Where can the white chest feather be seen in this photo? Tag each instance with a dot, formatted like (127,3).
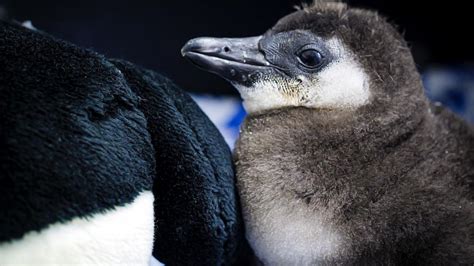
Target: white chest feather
(123,236)
(286,236)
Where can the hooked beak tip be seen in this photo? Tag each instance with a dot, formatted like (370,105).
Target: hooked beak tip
(187,48)
(234,59)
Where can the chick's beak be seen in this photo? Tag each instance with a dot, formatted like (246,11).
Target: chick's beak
(237,60)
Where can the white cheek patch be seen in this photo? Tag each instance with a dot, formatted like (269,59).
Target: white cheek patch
(343,84)
(122,236)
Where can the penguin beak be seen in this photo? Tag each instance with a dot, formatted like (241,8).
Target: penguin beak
(237,60)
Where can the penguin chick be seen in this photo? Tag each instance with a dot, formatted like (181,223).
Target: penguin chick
(342,159)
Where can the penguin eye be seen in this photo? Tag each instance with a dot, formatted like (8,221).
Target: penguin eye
(310,58)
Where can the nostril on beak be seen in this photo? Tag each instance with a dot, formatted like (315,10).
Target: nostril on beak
(226,49)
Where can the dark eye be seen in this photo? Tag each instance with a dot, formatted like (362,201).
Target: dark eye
(310,58)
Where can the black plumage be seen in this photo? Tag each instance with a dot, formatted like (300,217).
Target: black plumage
(81,134)
(195,198)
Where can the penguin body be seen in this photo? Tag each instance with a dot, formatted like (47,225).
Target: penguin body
(403,195)
(342,159)
(105,163)
(77,163)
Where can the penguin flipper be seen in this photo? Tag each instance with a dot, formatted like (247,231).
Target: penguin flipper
(196,205)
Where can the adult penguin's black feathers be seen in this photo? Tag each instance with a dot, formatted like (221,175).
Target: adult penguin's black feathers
(73,141)
(199,171)
(81,135)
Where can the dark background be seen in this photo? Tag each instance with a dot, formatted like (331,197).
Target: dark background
(151,33)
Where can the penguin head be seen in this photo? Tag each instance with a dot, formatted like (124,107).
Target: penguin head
(325,56)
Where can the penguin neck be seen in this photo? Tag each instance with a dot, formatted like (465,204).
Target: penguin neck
(306,143)
(334,129)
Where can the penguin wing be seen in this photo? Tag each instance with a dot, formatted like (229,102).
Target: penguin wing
(196,206)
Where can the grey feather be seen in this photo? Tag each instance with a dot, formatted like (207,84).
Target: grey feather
(394,178)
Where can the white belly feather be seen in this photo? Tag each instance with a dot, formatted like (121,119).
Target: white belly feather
(282,235)
(123,236)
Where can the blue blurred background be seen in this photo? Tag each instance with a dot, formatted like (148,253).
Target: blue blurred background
(151,32)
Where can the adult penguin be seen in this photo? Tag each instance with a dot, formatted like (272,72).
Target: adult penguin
(103,162)
(342,159)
